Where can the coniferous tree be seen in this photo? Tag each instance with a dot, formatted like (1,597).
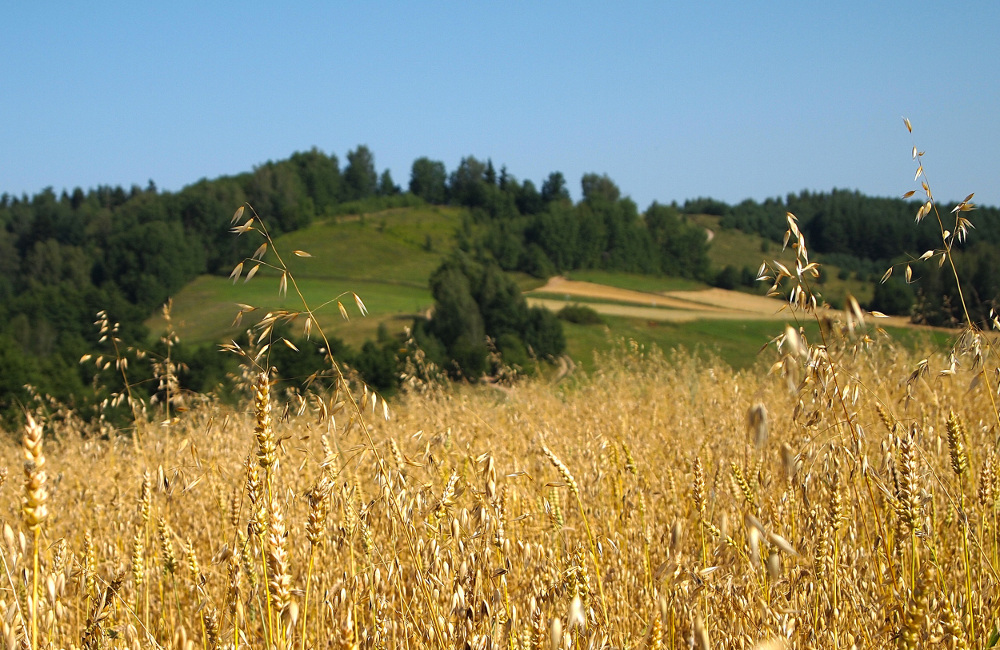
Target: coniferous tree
(386,186)
(554,188)
(359,175)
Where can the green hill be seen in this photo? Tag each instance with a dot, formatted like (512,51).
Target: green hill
(386,258)
(746,250)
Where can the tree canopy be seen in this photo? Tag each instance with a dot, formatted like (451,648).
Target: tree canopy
(475,299)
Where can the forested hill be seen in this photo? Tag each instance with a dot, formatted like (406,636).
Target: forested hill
(865,235)
(65,256)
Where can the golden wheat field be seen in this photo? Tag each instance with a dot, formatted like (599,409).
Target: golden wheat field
(846,499)
(842,494)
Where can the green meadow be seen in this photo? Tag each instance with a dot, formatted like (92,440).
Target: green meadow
(385,258)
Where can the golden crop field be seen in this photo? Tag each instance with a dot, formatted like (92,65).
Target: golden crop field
(658,503)
(842,494)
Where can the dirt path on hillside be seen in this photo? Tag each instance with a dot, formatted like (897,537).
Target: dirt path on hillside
(574,288)
(658,313)
(675,306)
(709,301)
(730,300)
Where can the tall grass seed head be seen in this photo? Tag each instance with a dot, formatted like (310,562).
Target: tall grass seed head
(34,508)
(957,444)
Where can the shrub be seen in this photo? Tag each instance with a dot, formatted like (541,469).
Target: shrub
(580,314)
(727,278)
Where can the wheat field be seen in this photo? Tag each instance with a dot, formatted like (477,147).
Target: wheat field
(663,502)
(841,494)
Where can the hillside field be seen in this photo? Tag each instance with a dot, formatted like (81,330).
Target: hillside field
(740,249)
(387,258)
(384,258)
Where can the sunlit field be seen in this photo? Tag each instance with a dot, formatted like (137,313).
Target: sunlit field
(656,502)
(840,492)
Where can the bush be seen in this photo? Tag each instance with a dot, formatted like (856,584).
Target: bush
(475,299)
(377,204)
(580,314)
(513,351)
(892,297)
(378,366)
(544,333)
(727,277)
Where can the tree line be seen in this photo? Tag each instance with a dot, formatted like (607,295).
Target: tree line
(65,256)
(542,232)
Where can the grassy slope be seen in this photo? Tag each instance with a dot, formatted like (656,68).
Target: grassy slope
(382,258)
(740,344)
(740,249)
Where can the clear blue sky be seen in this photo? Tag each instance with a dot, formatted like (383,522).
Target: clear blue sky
(672,100)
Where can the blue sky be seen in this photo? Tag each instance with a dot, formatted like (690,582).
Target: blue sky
(672,100)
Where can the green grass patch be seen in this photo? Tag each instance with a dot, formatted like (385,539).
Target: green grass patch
(204,310)
(737,343)
(734,342)
(739,249)
(835,290)
(922,339)
(386,258)
(402,245)
(526,282)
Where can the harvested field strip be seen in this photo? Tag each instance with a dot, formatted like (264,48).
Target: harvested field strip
(729,300)
(559,285)
(585,300)
(674,306)
(660,313)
